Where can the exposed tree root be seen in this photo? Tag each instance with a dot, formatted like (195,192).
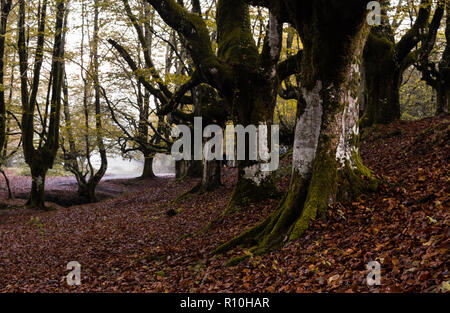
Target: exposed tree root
(305,201)
(196,189)
(246,192)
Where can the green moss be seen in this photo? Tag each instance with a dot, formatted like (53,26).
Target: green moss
(246,191)
(323,186)
(186,195)
(236,43)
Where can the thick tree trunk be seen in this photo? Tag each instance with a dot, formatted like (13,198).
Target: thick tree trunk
(382,79)
(147,171)
(180,168)
(443,99)
(87,192)
(254,183)
(326,165)
(37,194)
(211,176)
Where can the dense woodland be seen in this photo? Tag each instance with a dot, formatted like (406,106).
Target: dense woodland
(362,109)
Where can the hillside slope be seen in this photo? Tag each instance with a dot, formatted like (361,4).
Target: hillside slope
(130,244)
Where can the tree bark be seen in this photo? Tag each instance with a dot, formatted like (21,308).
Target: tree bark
(37,194)
(42,158)
(211,176)
(382,79)
(147,171)
(326,165)
(253,94)
(443,98)
(244,77)
(5,10)
(384,62)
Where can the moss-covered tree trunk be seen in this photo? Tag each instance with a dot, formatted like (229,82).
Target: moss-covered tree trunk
(382,79)
(384,62)
(37,193)
(255,183)
(5,10)
(443,98)
(254,91)
(242,74)
(42,158)
(326,165)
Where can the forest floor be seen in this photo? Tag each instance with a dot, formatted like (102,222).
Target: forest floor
(129,243)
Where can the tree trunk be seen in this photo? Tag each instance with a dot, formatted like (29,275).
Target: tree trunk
(382,79)
(37,194)
(443,99)
(87,191)
(326,165)
(211,176)
(254,93)
(8,186)
(5,9)
(147,172)
(181,169)
(42,158)
(254,184)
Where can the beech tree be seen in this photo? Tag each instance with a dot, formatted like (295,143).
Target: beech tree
(40,158)
(245,78)
(147,138)
(437,74)
(76,161)
(386,59)
(202,99)
(326,166)
(6,6)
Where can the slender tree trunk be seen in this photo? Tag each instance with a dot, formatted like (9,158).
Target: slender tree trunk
(181,168)
(5,9)
(42,158)
(96,177)
(8,186)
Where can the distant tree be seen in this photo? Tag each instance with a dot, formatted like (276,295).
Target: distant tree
(437,74)
(75,160)
(385,60)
